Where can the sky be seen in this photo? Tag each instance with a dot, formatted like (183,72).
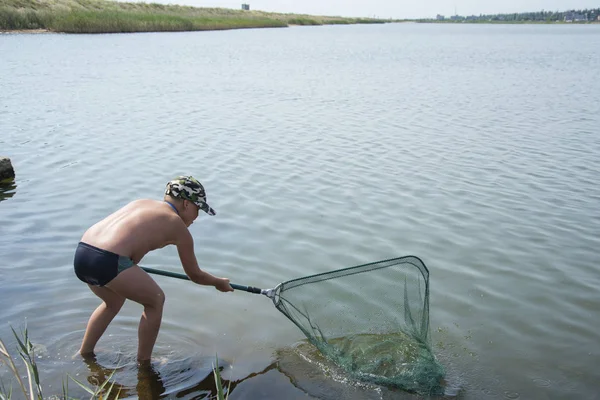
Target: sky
(393,8)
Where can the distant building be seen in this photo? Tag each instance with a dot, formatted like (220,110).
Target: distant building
(439,17)
(246,7)
(575,17)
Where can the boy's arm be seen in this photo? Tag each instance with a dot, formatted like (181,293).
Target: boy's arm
(185,248)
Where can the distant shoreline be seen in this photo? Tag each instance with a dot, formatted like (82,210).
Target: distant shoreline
(37,31)
(572,16)
(508,22)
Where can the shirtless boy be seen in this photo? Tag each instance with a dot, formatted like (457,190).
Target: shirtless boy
(108,253)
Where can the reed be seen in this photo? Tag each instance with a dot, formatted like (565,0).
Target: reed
(119,21)
(218,382)
(31,388)
(104,16)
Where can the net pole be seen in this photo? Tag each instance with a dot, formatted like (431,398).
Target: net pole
(249,289)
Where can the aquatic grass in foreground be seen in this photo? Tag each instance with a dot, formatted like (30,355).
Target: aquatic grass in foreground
(32,388)
(218,383)
(102,16)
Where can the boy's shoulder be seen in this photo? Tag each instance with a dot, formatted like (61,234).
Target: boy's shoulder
(151,209)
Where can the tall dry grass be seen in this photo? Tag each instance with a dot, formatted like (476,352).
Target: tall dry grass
(103,16)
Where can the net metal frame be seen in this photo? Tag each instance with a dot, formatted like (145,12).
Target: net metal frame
(282,304)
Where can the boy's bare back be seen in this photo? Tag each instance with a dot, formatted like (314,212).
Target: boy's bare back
(136,229)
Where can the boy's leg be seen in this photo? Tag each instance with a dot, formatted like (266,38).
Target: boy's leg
(135,284)
(100,318)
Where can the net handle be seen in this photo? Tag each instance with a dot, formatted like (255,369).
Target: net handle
(249,289)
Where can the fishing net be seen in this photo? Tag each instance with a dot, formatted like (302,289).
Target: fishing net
(371,320)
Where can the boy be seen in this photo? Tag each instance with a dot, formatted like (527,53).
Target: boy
(108,253)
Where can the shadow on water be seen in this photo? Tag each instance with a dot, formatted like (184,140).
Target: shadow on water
(8,188)
(296,372)
(161,380)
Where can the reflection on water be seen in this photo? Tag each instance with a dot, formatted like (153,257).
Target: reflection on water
(302,365)
(99,376)
(161,379)
(8,188)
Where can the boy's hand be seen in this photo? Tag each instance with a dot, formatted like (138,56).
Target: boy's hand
(222,285)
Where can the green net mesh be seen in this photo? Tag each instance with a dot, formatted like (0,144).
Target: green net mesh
(372,320)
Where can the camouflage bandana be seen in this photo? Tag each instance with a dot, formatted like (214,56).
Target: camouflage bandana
(188,188)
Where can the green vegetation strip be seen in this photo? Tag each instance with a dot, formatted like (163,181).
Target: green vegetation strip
(103,16)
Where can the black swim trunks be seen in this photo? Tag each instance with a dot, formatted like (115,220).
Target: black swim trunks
(98,267)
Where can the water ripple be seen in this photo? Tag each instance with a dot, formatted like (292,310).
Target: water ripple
(473,147)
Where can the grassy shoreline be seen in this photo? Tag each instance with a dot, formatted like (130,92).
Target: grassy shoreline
(105,16)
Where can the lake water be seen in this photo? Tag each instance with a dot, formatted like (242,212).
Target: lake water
(475,148)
